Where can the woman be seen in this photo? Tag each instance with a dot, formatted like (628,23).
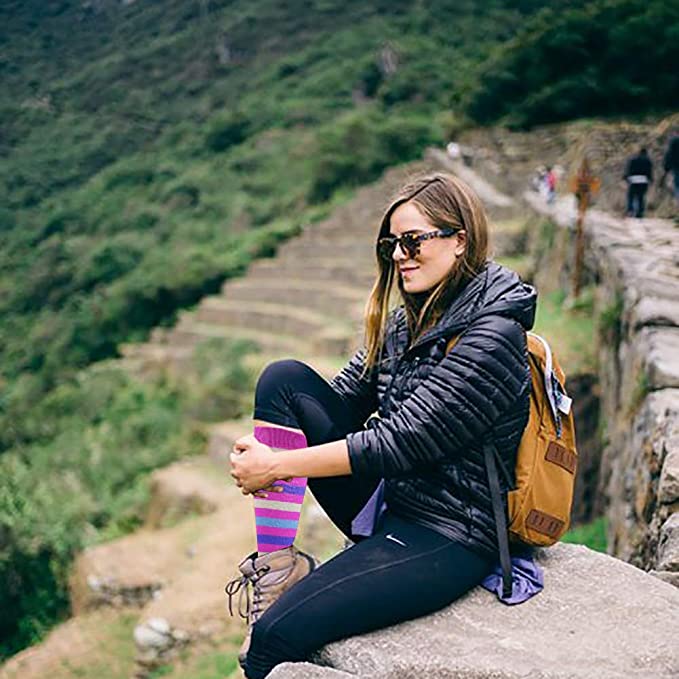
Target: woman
(435,406)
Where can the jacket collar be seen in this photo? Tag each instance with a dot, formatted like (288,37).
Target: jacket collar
(454,320)
(495,290)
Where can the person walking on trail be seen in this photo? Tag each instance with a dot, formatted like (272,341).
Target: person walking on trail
(671,165)
(638,175)
(550,181)
(392,447)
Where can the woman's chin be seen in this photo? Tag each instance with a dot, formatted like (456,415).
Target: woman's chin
(412,288)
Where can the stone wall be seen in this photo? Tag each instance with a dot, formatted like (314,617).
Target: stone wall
(635,264)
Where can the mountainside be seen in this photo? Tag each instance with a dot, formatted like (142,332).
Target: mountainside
(150,150)
(146,138)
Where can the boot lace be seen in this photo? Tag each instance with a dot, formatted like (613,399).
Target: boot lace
(249,606)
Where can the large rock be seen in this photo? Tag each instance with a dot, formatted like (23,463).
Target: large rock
(185,488)
(597,617)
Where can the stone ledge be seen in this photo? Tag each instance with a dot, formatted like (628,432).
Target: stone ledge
(597,617)
(185,488)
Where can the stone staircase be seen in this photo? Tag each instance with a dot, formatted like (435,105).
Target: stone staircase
(307,301)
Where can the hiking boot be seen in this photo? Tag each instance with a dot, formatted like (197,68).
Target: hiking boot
(270,575)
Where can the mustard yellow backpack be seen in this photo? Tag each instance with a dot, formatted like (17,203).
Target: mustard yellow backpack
(541,493)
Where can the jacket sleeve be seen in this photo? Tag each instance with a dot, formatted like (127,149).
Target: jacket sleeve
(357,390)
(453,408)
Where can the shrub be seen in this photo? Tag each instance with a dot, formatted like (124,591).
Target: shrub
(362,144)
(576,62)
(592,535)
(7,219)
(371,78)
(227,131)
(79,475)
(182,195)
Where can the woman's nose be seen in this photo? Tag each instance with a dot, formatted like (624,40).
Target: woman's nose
(399,254)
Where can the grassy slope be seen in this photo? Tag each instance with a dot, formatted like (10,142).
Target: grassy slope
(110,177)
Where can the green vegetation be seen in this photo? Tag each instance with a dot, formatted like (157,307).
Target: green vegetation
(384,142)
(579,59)
(138,172)
(592,535)
(83,477)
(210,665)
(570,331)
(149,151)
(610,321)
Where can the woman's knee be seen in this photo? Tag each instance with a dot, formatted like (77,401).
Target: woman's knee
(277,388)
(284,373)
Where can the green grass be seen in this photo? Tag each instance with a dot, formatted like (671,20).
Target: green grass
(198,663)
(570,330)
(592,535)
(213,665)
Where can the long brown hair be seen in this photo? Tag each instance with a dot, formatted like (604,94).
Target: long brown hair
(446,202)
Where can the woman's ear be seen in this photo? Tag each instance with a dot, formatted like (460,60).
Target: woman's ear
(461,245)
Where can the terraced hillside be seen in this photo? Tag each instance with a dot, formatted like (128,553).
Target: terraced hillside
(306,302)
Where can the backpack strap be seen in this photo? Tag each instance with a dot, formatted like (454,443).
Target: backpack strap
(489,453)
(500,519)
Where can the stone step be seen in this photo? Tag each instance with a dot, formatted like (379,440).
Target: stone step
(267,317)
(360,249)
(330,342)
(342,300)
(190,334)
(343,272)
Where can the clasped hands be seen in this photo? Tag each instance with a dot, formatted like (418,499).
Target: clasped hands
(253,467)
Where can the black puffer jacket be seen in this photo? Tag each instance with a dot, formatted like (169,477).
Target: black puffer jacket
(435,408)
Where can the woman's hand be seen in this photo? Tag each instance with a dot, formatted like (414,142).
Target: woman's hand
(253,467)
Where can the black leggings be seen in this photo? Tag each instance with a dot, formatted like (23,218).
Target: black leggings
(401,572)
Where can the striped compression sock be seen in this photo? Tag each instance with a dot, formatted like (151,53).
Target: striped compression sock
(277,515)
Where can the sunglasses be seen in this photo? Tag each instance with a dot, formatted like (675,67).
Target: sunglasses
(409,242)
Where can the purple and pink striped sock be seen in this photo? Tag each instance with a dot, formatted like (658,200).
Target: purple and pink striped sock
(277,515)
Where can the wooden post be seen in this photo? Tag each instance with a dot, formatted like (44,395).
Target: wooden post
(584,185)
(579,244)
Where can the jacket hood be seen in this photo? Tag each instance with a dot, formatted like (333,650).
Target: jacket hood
(499,291)
(495,291)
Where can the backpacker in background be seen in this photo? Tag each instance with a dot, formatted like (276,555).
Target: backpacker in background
(539,502)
